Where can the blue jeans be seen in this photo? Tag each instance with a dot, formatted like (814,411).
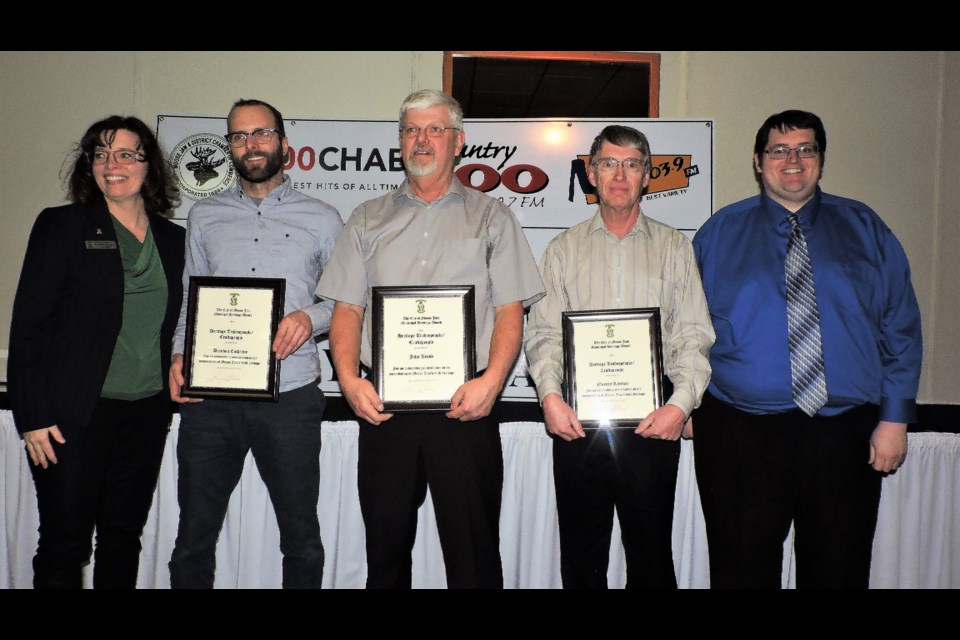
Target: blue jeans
(215,436)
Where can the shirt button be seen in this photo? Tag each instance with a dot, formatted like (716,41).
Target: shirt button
(256,239)
(253,269)
(425,234)
(259,213)
(423,263)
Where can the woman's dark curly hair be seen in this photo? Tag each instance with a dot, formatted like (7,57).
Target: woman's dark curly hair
(159,190)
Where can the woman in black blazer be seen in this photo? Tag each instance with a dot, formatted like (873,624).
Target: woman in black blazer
(93,319)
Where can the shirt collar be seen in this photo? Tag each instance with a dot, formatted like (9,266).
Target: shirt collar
(640,226)
(456,187)
(279,194)
(777,213)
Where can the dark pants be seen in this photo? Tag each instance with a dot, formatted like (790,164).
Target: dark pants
(215,436)
(463,464)
(759,473)
(105,476)
(616,468)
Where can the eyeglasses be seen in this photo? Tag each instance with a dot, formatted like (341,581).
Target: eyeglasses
(120,156)
(630,165)
(239,138)
(433,131)
(782,152)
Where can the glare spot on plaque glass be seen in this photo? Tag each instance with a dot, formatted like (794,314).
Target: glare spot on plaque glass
(607,429)
(606,426)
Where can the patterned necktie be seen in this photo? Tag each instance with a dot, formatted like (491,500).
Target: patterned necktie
(803,326)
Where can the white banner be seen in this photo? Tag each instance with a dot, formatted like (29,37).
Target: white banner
(537,167)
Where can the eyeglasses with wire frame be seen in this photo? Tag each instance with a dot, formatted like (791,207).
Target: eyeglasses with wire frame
(782,151)
(260,136)
(433,131)
(630,165)
(120,156)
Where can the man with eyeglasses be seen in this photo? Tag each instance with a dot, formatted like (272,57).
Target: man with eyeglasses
(815,370)
(432,230)
(619,259)
(260,228)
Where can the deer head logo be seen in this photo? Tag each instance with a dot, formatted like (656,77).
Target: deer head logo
(204,169)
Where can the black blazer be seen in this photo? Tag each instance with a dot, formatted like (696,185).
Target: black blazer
(68,310)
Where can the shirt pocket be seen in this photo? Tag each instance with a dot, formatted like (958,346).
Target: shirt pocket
(465,261)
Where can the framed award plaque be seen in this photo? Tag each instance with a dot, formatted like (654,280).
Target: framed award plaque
(613,365)
(424,345)
(231,325)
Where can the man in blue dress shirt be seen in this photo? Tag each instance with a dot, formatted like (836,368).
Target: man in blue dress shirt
(260,228)
(815,370)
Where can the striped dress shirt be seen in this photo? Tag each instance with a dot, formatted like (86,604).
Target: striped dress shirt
(588,268)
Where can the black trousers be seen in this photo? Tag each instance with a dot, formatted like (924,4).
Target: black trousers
(759,473)
(616,468)
(462,462)
(105,476)
(215,436)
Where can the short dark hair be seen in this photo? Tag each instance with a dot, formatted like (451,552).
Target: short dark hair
(159,191)
(622,136)
(253,102)
(788,121)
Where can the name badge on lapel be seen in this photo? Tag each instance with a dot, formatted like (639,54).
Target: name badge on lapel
(101,244)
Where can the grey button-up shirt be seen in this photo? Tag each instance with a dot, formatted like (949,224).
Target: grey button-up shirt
(462,238)
(288,235)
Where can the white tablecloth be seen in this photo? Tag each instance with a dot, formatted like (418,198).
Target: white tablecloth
(917,542)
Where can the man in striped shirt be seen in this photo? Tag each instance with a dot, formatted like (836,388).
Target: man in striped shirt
(619,259)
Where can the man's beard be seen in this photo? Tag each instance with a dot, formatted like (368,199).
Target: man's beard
(419,170)
(264,172)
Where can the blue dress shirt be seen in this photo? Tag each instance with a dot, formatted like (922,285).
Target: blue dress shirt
(287,235)
(869,317)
